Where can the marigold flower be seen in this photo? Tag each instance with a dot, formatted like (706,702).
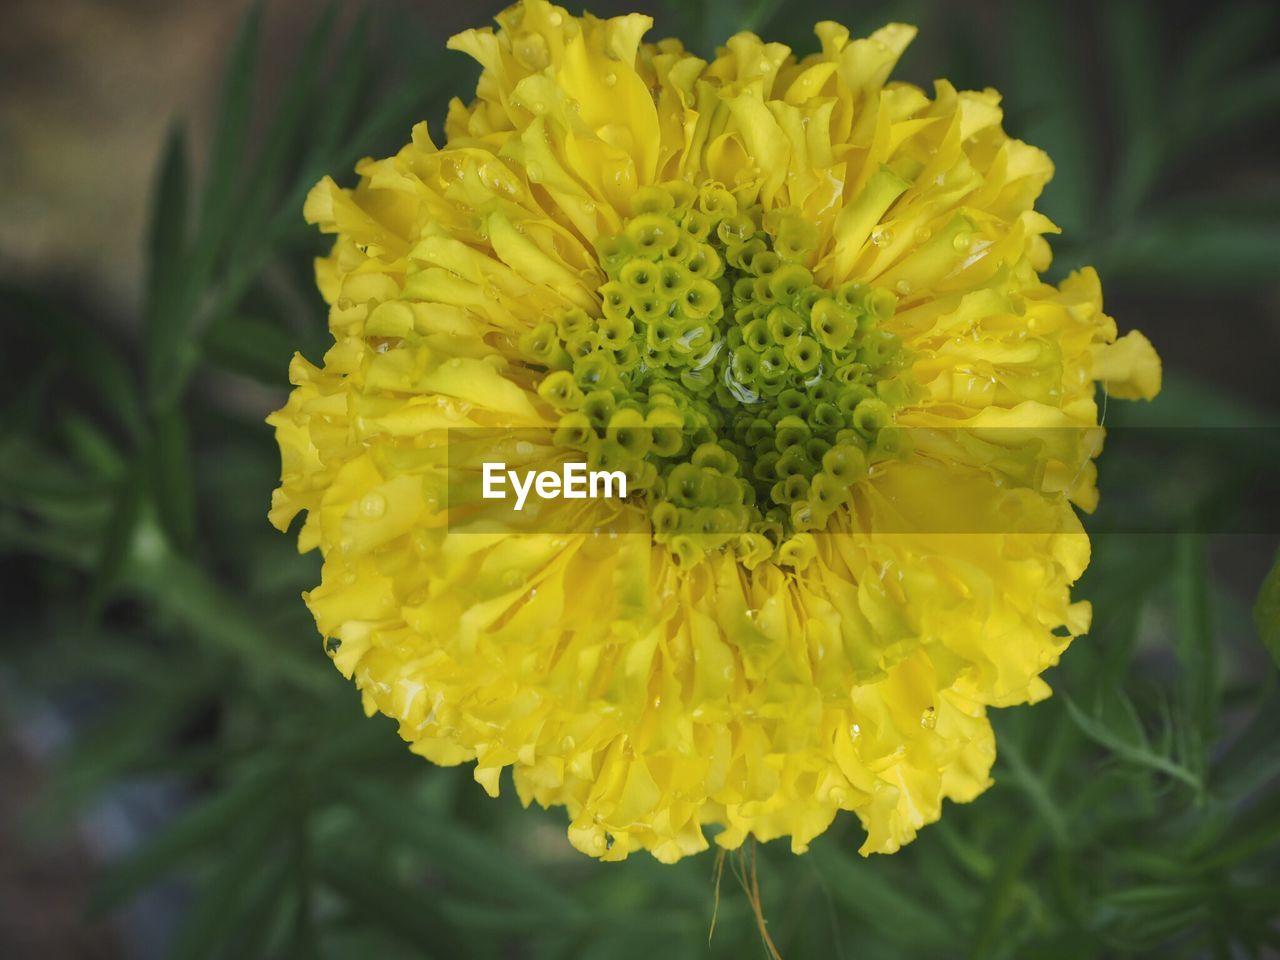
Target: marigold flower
(743,282)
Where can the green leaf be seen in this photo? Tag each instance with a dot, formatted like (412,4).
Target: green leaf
(1266,611)
(883,906)
(167,231)
(412,915)
(1234,32)
(205,826)
(1052,111)
(1201,253)
(116,541)
(1254,756)
(172,482)
(171,346)
(346,86)
(188,594)
(1001,892)
(251,347)
(118,743)
(1195,648)
(227,152)
(1132,30)
(169,297)
(91,447)
(283,143)
(759,17)
(471,861)
(1135,750)
(244,885)
(94,359)
(1229,108)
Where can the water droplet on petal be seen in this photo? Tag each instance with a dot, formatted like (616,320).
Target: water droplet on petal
(882,237)
(855,731)
(903,287)
(530,51)
(610,79)
(961,242)
(373,505)
(929,719)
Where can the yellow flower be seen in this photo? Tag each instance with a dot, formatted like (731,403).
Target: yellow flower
(749,283)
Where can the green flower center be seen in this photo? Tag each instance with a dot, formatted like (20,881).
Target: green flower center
(742,399)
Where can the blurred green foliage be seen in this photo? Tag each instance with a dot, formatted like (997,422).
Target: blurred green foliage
(1135,813)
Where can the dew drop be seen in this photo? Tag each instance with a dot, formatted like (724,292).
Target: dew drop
(923,234)
(881,238)
(929,719)
(903,287)
(961,242)
(373,505)
(610,79)
(531,51)
(555,19)
(855,731)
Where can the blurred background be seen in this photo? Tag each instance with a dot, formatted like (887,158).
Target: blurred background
(183,773)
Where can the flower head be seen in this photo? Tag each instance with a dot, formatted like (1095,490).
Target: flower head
(746,283)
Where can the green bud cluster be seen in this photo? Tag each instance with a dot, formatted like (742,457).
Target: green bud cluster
(742,398)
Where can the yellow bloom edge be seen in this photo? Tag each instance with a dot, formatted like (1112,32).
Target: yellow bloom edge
(654,701)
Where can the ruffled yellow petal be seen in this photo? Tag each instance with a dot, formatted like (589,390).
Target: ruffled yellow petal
(663,693)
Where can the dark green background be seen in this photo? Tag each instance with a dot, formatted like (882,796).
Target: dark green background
(164,692)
